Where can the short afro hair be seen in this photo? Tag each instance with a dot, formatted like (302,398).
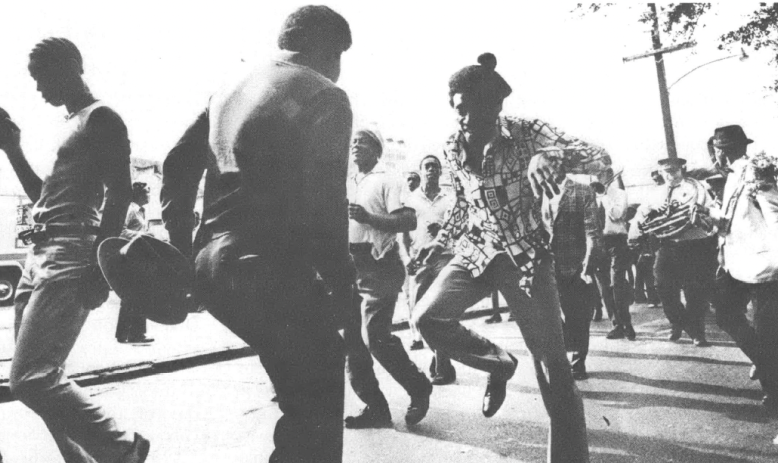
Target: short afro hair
(481,79)
(429,156)
(313,25)
(56,50)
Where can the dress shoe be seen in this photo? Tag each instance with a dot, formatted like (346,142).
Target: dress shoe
(770,402)
(420,404)
(448,376)
(370,417)
(142,339)
(753,374)
(496,318)
(496,390)
(615,333)
(579,372)
(700,341)
(139,450)
(675,333)
(417,345)
(629,332)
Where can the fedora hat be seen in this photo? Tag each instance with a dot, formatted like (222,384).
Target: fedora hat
(150,274)
(730,135)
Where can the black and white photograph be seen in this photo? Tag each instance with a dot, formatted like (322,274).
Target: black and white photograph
(388,231)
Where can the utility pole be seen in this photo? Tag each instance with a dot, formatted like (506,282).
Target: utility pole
(664,96)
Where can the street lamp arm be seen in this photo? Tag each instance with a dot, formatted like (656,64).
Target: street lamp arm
(742,55)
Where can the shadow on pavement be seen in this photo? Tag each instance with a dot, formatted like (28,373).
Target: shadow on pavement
(679,386)
(527,442)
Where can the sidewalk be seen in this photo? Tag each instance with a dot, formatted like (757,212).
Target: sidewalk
(98,358)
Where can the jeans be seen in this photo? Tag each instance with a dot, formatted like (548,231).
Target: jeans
(611,278)
(50,313)
(539,318)
(270,299)
(760,341)
(379,282)
(689,266)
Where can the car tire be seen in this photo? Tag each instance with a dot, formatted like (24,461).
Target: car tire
(8,282)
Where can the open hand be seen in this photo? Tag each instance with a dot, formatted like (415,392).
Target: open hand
(543,170)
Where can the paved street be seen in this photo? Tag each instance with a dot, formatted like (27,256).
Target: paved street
(646,401)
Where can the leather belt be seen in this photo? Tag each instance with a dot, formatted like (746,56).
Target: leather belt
(41,232)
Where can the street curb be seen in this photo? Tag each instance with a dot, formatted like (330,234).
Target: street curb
(143,369)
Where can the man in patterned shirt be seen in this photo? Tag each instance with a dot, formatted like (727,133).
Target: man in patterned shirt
(497,163)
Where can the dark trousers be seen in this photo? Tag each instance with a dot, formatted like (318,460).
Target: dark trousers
(359,362)
(575,297)
(645,288)
(273,303)
(379,282)
(760,341)
(131,323)
(611,276)
(689,266)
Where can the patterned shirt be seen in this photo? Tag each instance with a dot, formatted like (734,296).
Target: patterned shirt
(496,212)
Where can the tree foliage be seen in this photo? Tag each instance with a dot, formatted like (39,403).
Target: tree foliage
(680,20)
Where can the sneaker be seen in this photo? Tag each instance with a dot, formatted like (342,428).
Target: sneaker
(420,404)
(417,345)
(629,332)
(496,318)
(615,333)
(370,417)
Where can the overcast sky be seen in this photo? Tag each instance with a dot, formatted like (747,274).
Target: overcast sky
(157,63)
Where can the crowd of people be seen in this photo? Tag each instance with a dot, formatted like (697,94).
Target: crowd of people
(305,264)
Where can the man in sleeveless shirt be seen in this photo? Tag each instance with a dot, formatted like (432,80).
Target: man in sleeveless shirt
(61,282)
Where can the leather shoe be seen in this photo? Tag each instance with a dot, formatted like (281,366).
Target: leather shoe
(770,402)
(700,341)
(675,334)
(142,339)
(615,333)
(598,315)
(496,390)
(420,404)
(753,374)
(417,345)
(579,371)
(370,417)
(496,318)
(448,376)
(139,450)
(629,332)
